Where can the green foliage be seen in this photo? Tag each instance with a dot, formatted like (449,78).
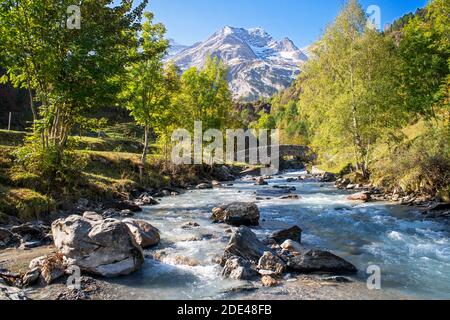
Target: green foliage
(150,86)
(347,89)
(425,52)
(265,121)
(70,72)
(54,169)
(421,165)
(205,96)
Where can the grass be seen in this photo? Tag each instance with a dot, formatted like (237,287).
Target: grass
(25,204)
(11,138)
(106,144)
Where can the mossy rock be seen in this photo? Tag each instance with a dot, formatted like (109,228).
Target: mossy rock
(27,204)
(26,180)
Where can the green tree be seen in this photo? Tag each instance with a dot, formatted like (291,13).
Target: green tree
(425,51)
(205,95)
(348,89)
(265,121)
(149,87)
(70,70)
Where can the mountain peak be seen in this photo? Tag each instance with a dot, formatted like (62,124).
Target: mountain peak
(258,64)
(258,31)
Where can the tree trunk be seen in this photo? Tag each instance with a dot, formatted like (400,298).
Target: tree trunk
(144,152)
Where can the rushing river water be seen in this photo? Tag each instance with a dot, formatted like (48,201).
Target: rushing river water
(413,253)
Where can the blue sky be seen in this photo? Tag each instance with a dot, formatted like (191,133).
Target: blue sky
(303,21)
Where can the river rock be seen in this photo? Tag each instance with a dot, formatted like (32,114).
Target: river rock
(292,246)
(91,215)
(438,210)
(294,233)
(286,188)
(110,213)
(29,232)
(269,281)
(270,262)
(181,260)
(144,233)
(342,183)
(361,196)
(145,200)
(260,182)
(237,268)
(190,225)
(51,267)
(12,293)
(124,205)
(244,244)
(223,173)
(216,184)
(317,261)
(31,277)
(328,177)
(8,239)
(290,197)
(204,186)
(316,171)
(126,213)
(237,214)
(105,248)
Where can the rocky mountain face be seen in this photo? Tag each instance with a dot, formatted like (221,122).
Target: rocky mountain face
(175,47)
(259,66)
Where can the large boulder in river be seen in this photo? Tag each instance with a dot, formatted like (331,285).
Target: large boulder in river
(105,248)
(317,261)
(144,233)
(244,244)
(237,268)
(237,214)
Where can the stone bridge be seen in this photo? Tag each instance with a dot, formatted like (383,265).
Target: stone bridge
(299,153)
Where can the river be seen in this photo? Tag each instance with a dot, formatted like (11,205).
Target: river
(412,253)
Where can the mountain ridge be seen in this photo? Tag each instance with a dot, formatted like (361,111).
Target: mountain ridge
(259,66)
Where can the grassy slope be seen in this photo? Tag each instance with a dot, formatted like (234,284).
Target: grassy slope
(106,174)
(122,144)
(110,171)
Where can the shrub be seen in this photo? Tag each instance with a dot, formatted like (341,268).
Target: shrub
(421,165)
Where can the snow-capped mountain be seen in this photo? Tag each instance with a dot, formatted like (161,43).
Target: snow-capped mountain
(259,66)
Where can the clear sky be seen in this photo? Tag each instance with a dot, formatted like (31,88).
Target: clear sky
(303,21)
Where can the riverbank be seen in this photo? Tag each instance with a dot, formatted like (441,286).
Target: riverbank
(184,264)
